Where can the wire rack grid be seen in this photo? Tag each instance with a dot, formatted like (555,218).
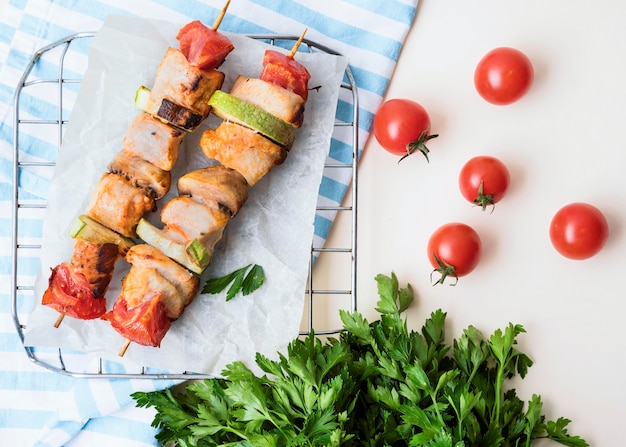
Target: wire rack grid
(23,290)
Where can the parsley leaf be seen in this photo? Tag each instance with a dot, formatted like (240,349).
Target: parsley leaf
(239,281)
(253,280)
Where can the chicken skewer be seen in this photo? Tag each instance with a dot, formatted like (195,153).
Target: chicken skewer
(139,174)
(212,195)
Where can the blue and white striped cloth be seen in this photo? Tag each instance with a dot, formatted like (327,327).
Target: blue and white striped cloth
(44,408)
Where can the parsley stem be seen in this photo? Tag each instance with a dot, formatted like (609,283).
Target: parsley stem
(433,397)
(475,369)
(498,392)
(241,434)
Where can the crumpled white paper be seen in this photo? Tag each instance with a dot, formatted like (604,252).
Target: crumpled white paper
(274,229)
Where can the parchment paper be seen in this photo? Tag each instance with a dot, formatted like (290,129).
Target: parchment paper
(274,229)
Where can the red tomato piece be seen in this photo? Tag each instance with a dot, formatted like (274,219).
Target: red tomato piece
(484,180)
(578,231)
(203,47)
(145,324)
(503,76)
(402,127)
(454,249)
(286,72)
(69,293)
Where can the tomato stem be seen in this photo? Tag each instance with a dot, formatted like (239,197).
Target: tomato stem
(419,145)
(484,199)
(445,270)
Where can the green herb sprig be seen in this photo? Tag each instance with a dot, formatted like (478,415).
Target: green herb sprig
(377,384)
(239,281)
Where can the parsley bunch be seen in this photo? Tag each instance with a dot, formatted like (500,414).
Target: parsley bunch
(377,384)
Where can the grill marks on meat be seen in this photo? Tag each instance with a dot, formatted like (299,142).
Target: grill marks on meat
(142,174)
(182,83)
(95,262)
(178,115)
(216,186)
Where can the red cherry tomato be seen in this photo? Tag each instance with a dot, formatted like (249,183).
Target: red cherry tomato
(454,249)
(579,231)
(145,324)
(69,293)
(402,127)
(203,47)
(484,180)
(286,72)
(503,76)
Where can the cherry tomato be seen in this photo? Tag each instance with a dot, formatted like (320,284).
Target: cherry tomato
(203,47)
(402,127)
(286,72)
(454,249)
(484,180)
(145,324)
(69,293)
(503,75)
(579,231)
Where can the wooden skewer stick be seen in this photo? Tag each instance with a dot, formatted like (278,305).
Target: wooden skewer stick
(59,320)
(124,348)
(220,17)
(296,45)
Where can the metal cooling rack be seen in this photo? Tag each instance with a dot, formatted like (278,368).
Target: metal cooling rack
(23,290)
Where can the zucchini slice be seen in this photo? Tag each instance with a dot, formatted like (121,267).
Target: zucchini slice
(193,255)
(236,110)
(90,230)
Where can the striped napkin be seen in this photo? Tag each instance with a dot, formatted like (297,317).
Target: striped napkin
(44,408)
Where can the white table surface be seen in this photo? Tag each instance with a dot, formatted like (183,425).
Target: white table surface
(563,142)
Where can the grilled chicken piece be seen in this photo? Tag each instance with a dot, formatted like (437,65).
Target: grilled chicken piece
(272,98)
(242,149)
(216,186)
(190,232)
(186,219)
(183,84)
(96,262)
(118,204)
(142,282)
(144,256)
(153,140)
(142,174)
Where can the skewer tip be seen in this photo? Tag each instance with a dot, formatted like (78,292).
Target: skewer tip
(296,45)
(220,17)
(59,320)
(124,348)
